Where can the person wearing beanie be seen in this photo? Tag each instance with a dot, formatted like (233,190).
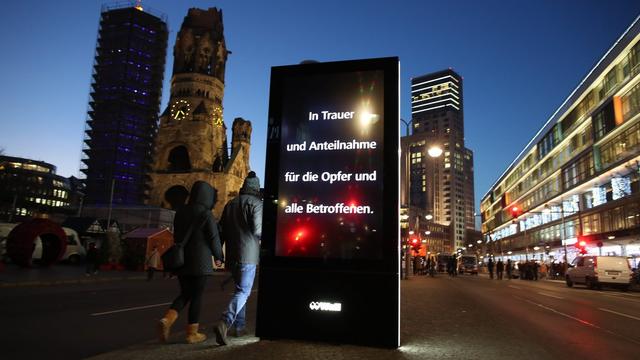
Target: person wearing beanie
(241,225)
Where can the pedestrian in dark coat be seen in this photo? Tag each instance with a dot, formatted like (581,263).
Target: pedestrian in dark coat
(454,265)
(203,244)
(91,260)
(241,230)
(509,268)
(499,269)
(490,267)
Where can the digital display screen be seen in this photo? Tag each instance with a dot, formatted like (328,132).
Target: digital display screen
(331,164)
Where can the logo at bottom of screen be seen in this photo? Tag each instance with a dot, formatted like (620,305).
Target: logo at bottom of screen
(325,306)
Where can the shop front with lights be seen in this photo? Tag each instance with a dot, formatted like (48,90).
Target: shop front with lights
(577,182)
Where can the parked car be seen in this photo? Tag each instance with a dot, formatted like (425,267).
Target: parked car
(596,271)
(75,251)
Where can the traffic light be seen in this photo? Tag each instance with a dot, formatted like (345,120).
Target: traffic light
(581,244)
(415,244)
(515,211)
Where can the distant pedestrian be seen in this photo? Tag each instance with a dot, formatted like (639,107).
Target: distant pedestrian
(416,265)
(490,267)
(509,268)
(432,267)
(499,269)
(91,261)
(455,266)
(241,224)
(523,266)
(534,269)
(203,244)
(452,266)
(544,269)
(153,262)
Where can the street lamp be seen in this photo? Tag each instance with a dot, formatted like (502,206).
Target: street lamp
(435,151)
(408,126)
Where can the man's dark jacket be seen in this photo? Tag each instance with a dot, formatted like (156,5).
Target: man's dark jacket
(242,224)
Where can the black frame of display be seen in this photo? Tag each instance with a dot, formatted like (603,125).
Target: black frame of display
(369,289)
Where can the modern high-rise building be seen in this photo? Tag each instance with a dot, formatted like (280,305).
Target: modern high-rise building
(440,186)
(191,144)
(124,104)
(31,188)
(578,179)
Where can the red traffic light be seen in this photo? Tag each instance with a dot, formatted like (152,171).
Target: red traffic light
(415,244)
(515,211)
(581,244)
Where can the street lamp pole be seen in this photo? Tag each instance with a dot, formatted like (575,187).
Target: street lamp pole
(564,234)
(407,250)
(407,124)
(433,151)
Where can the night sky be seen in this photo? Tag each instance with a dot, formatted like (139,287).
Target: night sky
(519,61)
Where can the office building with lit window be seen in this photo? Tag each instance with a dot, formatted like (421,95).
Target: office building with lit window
(125,99)
(31,188)
(441,186)
(577,179)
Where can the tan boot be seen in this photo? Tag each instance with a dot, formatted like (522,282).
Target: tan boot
(193,336)
(164,325)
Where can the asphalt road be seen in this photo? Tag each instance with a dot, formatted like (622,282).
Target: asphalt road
(467,317)
(76,321)
(554,321)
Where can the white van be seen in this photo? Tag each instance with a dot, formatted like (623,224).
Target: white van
(75,251)
(595,271)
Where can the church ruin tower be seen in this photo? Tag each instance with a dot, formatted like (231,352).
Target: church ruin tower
(191,144)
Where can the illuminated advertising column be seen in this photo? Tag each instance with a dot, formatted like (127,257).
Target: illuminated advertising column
(330,247)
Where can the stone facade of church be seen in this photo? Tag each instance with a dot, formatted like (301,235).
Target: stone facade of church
(191,143)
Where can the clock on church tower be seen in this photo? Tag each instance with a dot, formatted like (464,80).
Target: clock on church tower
(180,109)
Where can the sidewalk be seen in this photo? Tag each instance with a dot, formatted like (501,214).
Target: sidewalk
(59,274)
